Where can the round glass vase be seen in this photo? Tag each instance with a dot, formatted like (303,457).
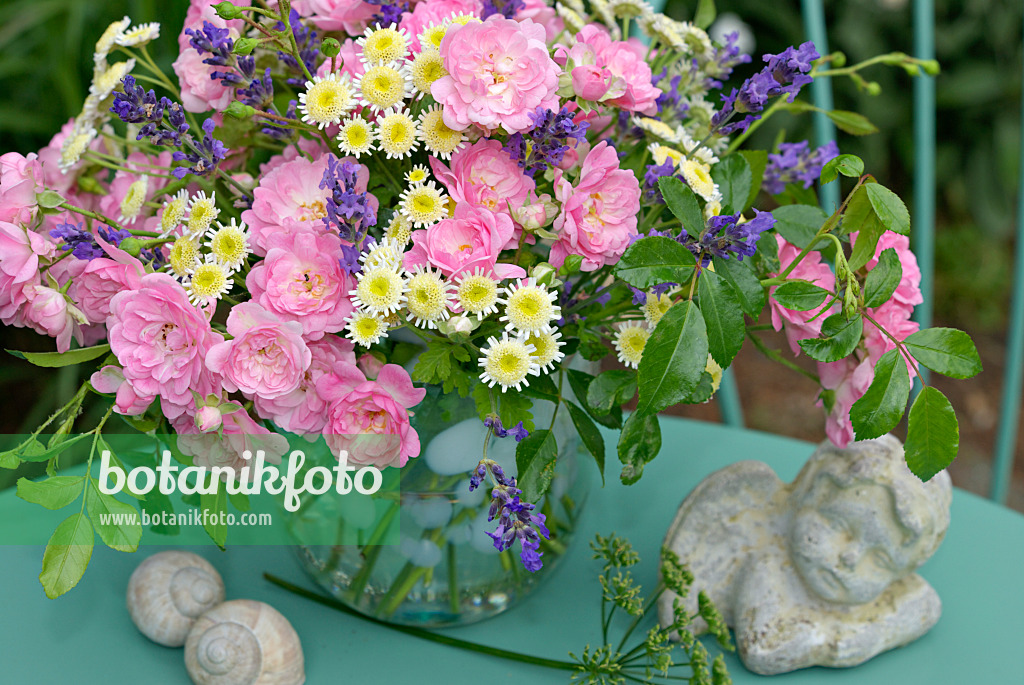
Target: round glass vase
(444,569)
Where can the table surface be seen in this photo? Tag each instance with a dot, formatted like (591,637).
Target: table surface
(976,571)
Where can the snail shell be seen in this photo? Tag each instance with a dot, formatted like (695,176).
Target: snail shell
(169,591)
(243,642)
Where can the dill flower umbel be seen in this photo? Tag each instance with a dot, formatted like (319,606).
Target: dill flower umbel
(529,307)
(133,200)
(229,244)
(355,137)
(396,132)
(630,341)
(380,290)
(547,348)
(174,212)
(477,293)
(383,86)
(508,362)
(326,99)
(383,44)
(209,281)
(183,257)
(436,136)
(423,205)
(202,211)
(428,298)
(365,329)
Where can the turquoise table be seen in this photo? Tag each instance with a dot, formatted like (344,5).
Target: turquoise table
(86,636)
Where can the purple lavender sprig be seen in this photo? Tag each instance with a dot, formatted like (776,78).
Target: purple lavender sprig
(546,143)
(214,41)
(203,156)
(516,520)
(390,13)
(506,8)
(348,211)
(797,163)
(308,43)
(163,121)
(517,431)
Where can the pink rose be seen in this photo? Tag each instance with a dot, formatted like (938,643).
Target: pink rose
(484,175)
(238,434)
(199,92)
(800,325)
(894,315)
(48,312)
(303,410)
(499,72)
(20,251)
(301,280)
(470,239)
(848,380)
(160,340)
(110,380)
(103,278)
(426,14)
(20,179)
(209,418)
(265,358)
(612,71)
(350,16)
(544,14)
(361,410)
(598,216)
(370,365)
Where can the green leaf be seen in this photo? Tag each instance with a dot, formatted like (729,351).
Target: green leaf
(682,203)
(734,180)
(102,445)
(590,435)
(799,224)
(639,443)
(889,208)
(580,383)
(839,338)
(847,165)
(155,504)
(766,259)
(535,459)
(9,460)
(800,296)
(56,359)
(758,162)
(741,276)
(723,318)
(511,407)
(883,280)
(216,504)
(434,364)
(933,434)
(49,199)
(67,555)
(860,217)
(705,14)
(948,351)
(674,358)
(852,123)
(611,389)
(650,261)
(53,493)
(117,523)
(32,453)
(880,408)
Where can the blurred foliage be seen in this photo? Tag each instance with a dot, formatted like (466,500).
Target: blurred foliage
(46,49)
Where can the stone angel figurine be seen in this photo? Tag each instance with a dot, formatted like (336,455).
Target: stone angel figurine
(819,571)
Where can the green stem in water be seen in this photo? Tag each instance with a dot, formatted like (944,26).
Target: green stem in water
(453,580)
(424,634)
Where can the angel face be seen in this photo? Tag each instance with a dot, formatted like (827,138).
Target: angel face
(848,544)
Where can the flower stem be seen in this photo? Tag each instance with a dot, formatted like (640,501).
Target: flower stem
(453,580)
(421,633)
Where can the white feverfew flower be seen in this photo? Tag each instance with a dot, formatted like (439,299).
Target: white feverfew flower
(383,86)
(423,205)
(547,349)
(630,8)
(418,175)
(174,213)
(104,83)
(356,137)
(229,244)
(139,35)
(630,340)
(326,100)
(657,128)
(698,177)
(74,146)
(696,40)
(529,307)
(133,200)
(430,38)
(387,254)
(477,293)
(366,329)
(108,40)
(379,291)
(399,230)
(428,297)
(656,307)
(183,258)
(383,45)
(202,212)
(697,151)
(663,29)
(424,69)
(396,133)
(210,280)
(508,362)
(437,138)
(573,19)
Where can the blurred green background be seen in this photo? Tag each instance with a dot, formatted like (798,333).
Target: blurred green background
(45,68)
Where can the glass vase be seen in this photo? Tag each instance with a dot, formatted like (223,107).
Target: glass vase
(444,569)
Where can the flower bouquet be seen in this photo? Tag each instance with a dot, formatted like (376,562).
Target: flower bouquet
(412,232)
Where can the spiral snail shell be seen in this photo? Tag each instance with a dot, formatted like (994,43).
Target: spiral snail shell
(243,642)
(169,591)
